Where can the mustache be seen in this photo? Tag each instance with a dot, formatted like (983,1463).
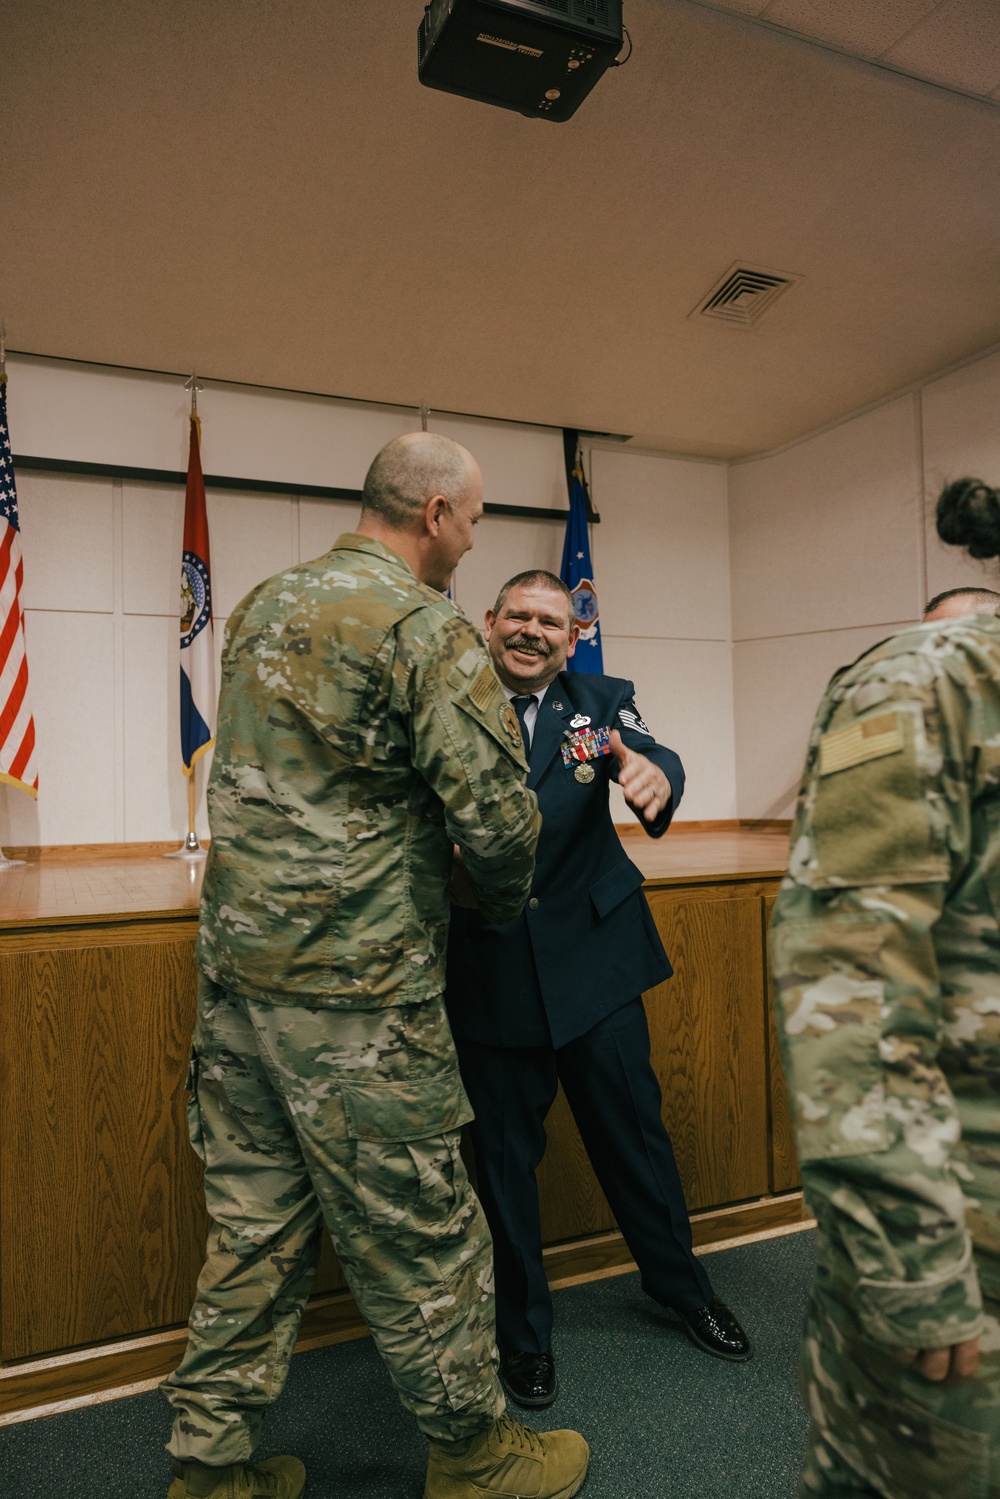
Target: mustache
(528,645)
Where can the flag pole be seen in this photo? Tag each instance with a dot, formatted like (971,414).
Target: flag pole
(191,849)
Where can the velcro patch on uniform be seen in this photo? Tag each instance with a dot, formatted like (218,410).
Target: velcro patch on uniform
(485,688)
(860,742)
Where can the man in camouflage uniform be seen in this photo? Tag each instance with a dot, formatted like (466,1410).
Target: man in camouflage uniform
(886,966)
(362,735)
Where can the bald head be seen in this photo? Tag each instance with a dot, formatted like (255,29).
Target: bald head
(956,602)
(409,471)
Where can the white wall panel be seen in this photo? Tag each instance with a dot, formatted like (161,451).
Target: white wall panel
(683,690)
(67,542)
(661,552)
(71,674)
(504,546)
(126,417)
(825,535)
(961,424)
(321,522)
(961,421)
(252,536)
(155,785)
(521,465)
(777,687)
(152,536)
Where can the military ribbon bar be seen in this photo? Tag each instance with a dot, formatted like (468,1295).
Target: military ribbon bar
(589,744)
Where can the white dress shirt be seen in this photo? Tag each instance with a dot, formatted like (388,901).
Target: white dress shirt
(531,711)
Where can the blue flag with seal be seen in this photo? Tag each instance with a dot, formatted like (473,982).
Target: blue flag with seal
(197,650)
(577,572)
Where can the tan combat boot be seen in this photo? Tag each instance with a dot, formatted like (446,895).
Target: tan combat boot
(508,1461)
(277,1478)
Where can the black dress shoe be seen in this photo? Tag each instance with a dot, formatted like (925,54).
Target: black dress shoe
(715,1330)
(529,1378)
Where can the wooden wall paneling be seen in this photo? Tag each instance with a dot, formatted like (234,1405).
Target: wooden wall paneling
(69,1276)
(157,987)
(784,1163)
(708,1041)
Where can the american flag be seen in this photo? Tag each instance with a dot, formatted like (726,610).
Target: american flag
(17,727)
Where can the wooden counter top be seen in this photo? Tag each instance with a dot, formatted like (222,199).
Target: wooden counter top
(61,889)
(51,891)
(701,856)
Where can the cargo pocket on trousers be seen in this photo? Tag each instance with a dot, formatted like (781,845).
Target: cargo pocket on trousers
(195,1131)
(903,1447)
(406,1139)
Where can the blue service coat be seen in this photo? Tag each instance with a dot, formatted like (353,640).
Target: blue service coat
(585,942)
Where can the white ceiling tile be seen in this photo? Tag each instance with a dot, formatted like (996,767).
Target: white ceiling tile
(742,7)
(958,44)
(860,27)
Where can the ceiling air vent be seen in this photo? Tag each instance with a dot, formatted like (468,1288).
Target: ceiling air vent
(744,294)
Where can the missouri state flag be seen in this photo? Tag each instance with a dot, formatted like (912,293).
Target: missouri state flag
(17,726)
(197,649)
(578,575)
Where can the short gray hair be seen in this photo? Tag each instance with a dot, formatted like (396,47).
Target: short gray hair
(409,470)
(537,577)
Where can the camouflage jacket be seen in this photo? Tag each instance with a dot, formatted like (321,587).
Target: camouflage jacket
(362,732)
(885,955)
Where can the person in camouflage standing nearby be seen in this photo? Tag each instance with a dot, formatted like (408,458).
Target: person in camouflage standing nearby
(362,735)
(885,955)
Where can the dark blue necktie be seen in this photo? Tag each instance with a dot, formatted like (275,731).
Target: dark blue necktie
(520,705)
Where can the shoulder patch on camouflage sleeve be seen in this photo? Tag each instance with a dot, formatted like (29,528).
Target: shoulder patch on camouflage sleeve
(485,688)
(859,742)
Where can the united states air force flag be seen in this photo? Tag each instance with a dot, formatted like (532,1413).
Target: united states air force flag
(197,649)
(578,575)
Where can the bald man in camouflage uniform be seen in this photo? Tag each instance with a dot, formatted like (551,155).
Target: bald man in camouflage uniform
(362,735)
(886,965)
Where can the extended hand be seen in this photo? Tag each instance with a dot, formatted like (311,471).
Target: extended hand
(643,783)
(943,1365)
(463,892)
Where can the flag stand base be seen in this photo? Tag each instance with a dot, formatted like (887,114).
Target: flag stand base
(6,863)
(189,849)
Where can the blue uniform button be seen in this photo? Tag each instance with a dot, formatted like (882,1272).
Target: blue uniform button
(533,903)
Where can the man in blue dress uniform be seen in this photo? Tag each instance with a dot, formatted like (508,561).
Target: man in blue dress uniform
(555,996)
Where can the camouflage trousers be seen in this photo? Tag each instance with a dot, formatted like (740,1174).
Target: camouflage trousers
(351,1118)
(880,1430)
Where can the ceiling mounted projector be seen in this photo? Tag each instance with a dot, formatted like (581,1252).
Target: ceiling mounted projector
(540,57)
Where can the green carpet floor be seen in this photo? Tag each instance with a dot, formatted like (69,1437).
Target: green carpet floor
(664,1421)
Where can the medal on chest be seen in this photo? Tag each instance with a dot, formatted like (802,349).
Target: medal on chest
(582,747)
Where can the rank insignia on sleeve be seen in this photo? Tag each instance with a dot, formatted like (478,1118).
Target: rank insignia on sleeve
(485,688)
(588,744)
(631,719)
(511,727)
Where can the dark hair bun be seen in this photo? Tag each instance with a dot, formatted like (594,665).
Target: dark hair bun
(968,515)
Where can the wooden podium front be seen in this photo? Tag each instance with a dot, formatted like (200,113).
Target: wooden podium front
(102,1225)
